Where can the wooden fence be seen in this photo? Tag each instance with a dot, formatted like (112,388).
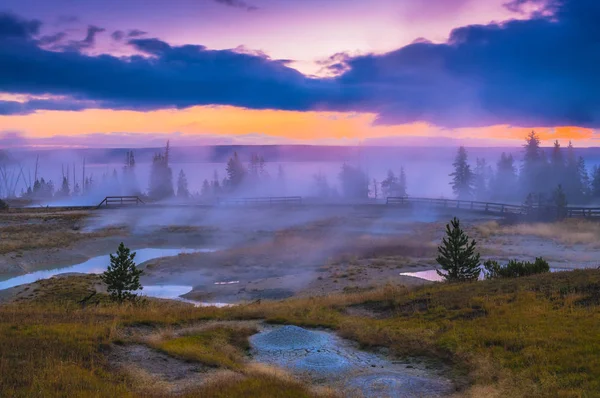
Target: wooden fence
(495,208)
(120,201)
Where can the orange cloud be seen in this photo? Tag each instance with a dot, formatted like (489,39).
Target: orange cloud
(307,127)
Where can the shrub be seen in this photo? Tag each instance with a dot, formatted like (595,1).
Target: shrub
(3,205)
(515,269)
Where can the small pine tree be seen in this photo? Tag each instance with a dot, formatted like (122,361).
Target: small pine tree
(122,276)
(457,255)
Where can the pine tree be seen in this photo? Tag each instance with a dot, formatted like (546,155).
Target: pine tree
(402,186)
(457,255)
(557,164)
(585,184)
(236,172)
(65,189)
(182,186)
(206,190)
(560,201)
(122,276)
(532,170)
(481,179)
(355,183)
(389,185)
(375,189)
(462,177)
(595,184)
(505,183)
(215,185)
(281,181)
(130,185)
(161,176)
(322,189)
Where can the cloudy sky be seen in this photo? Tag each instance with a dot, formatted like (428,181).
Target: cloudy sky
(484,72)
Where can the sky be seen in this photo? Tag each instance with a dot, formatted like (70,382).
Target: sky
(335,72)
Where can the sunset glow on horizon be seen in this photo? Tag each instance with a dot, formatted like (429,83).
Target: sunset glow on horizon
(328,73)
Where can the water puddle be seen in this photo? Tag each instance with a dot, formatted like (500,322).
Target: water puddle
(432,275)
(97,265)
(325,358)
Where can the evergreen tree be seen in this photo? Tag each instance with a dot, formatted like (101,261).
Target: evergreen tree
(122,276)
(557,164)
(533,168)
(482,177)
(462,177)
(130,185)
(389,186)
(457,256)
(182,186)
(161,176)
(505,183)
(215,185)
(76,190)
(375,188)
(595,184)
(236,172)
(355,183)
(402,185)
(322,189)
(65,190)
(206,189)
(281,182)
(585,184)
(560,201)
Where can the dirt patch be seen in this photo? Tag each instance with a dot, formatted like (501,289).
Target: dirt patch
(158,370)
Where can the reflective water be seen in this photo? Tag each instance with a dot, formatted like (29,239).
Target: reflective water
(432,275)
(97,265)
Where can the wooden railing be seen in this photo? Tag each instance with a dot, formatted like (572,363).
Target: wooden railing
(495,208)
(120,201)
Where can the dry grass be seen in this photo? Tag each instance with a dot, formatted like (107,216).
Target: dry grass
(257,383)
(569,232)
(19,232)
(219,346)
(534,336)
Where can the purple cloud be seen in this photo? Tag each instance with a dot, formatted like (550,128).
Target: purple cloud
(238,4)
(537,72)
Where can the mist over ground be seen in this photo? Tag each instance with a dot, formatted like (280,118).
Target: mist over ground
(288,170)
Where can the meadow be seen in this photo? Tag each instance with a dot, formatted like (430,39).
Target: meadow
(531,336)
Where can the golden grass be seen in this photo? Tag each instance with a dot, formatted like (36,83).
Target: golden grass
(569,232)
(19,232)
(534,336)
(219,346)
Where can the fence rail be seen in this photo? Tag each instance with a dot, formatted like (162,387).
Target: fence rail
(495,208)
(120,201)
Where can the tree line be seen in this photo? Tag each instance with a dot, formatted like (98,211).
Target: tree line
(543,176)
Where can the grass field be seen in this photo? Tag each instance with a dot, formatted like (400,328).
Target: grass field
(46,230)
(533,336)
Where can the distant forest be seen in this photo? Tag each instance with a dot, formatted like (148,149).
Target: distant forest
(543,176)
